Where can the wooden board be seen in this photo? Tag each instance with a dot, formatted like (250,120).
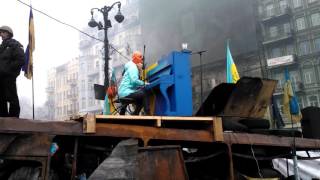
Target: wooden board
(158,121)
(89,123)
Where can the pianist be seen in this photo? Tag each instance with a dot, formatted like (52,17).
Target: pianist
(131,86)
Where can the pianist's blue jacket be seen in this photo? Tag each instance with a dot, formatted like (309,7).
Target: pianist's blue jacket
(130,81)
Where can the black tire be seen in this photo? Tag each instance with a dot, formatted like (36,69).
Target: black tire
(23,173)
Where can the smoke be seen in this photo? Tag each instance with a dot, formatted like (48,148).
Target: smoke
(204,25)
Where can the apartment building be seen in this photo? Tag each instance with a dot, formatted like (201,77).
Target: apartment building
(291,39)
(91,64)
(62,91)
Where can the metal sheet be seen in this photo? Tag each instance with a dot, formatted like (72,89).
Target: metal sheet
(250,98)
(161,162)
(27,145)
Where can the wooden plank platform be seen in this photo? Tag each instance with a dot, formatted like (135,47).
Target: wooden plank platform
(214,124)
(151,131)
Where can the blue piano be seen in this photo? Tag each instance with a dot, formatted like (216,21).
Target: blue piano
(170,81)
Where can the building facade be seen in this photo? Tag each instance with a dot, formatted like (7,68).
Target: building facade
(91,67)
(291,40)
(62,91)
(288,37)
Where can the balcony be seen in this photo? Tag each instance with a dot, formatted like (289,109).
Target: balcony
(298,87)
(276,14)
(72,112)
(72,82)
(50,103)
(49,89)
(311,85)
(279,37)
(93,72)
(72,97)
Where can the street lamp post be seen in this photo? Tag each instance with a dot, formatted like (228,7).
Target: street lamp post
(107,24)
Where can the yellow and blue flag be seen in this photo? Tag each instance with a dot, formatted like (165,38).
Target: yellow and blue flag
(290,101)
(232,72)
(28,67)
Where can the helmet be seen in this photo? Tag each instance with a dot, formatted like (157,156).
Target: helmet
(7,29)
(137,57)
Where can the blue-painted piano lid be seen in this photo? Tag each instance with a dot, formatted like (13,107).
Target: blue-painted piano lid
(162,65)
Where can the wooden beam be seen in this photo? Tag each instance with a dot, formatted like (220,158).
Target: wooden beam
(216,122)
(163,118)
(89,123)
(270,140)
(217,129)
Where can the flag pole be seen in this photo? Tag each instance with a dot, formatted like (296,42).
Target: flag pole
(32,81)
(290,96)
(32,99)
(227,60)
(294,154)
(29,66)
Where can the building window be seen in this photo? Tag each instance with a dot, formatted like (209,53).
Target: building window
(283,5)
(294,79)
(297,3)
(65,110)
(315,19)
(286,28)
(280,79)
(311,1)
(91,102)
(83,103)
(317,44)
(290,49)
(300,102)
(260,10)
(304,47)
(309,76)
(269,10)
(83,85)
(276,52)
(97,65)
(273,31)
(301,24)
(313,101)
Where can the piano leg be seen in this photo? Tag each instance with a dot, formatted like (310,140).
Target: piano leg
(163,89)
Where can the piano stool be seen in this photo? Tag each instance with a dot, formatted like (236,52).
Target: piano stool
(124,102)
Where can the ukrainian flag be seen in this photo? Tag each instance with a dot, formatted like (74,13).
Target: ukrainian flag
(290,101)
(28,67)
(232,72)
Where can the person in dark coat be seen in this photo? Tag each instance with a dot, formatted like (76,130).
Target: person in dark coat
(11,61)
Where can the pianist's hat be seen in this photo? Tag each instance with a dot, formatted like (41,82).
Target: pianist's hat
(137,57)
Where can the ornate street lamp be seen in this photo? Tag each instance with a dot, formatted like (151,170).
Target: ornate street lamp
(107,24)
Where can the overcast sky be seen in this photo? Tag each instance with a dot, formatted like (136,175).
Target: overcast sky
(55,43)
